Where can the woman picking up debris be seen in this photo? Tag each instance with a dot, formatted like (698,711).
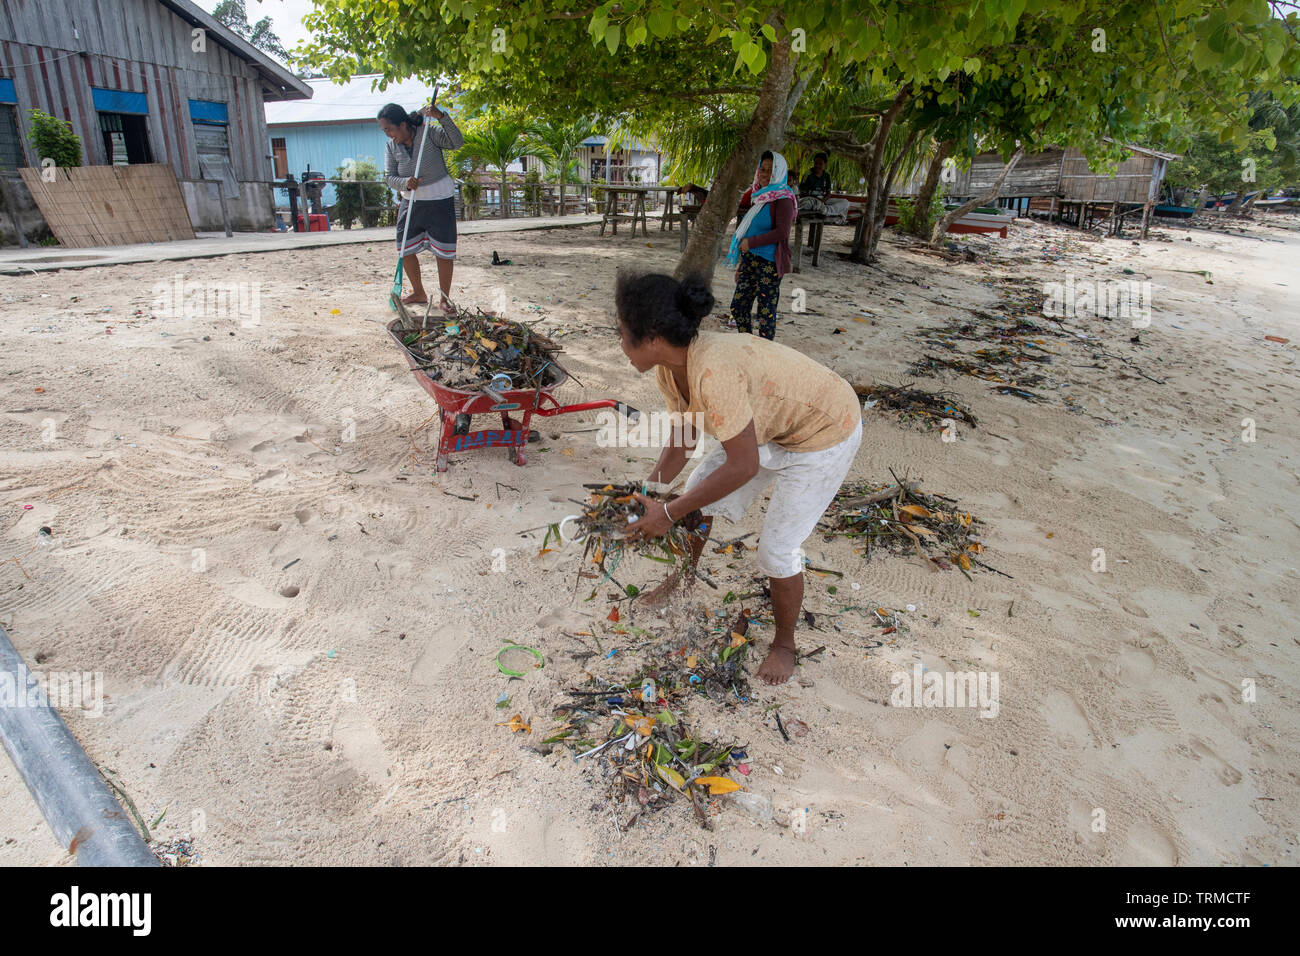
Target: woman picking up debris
(760,248)
(780,417)
(427,193)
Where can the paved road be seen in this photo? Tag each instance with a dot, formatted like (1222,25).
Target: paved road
(43,259)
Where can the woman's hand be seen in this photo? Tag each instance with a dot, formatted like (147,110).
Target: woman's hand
(432,110)
(413,183)
(744,245)
(652,524)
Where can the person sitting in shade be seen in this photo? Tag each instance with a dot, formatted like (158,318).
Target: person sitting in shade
(817,185)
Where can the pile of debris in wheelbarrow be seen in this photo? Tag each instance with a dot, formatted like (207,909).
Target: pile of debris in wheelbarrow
(476,349)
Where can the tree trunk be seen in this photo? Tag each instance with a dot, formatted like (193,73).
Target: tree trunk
(1200,201)
(505,196)
(886,187)
(941,227)
(864,237)
(921,214)
(766,129)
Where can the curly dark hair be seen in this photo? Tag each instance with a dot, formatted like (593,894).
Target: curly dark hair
(657,304)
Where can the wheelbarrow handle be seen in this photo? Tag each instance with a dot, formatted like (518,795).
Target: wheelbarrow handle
(630,413)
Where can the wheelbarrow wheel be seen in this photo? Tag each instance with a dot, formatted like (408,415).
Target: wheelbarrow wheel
(517,455)
(443,463)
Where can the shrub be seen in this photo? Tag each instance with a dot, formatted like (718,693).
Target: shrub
(348,205)
(54,139)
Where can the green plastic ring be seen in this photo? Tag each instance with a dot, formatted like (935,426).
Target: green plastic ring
(541,662)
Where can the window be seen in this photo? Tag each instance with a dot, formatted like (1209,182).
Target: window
(11,145)
(126,138)
(212,139)
(281,154)
(124,124)
(598,169)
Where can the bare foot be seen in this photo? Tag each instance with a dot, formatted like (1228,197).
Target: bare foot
(414,299)
(778,665)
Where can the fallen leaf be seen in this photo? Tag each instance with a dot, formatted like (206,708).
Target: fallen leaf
(544,551)
(691,661)
(642,725)
(671,776)
(567,451)
(717,785)
(336,311)
(613,614)
(1277,338)
(516,724)
(737,639)
(964,562)
(915,510)
(1051,534)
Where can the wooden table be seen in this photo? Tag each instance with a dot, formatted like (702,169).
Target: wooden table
(637,215)
(686,217)
(815,224)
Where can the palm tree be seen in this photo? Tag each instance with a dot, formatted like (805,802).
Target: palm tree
(556,144)
(498,145)
(463,167)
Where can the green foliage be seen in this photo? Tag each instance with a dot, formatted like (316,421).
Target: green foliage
(54,139)
(919,221)
(233,15)
(348,207)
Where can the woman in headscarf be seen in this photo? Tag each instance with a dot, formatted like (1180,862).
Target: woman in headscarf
(760,249)
(428,193)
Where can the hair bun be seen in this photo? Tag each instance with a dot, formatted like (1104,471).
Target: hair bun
(694,298)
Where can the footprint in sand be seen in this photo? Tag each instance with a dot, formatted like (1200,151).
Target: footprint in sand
(1130,608)
(1067,720)
(1149,846)
(1227,774)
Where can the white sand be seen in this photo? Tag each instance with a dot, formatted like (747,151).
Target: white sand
(231,705)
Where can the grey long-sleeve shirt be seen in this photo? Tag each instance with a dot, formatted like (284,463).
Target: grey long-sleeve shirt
(399,161)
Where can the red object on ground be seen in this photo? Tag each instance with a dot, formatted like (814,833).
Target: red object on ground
(316,222)
(513,434)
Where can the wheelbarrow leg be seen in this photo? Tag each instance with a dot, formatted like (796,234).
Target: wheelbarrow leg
(517,452)
(446,439)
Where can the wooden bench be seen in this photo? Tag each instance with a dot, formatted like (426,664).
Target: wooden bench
(815,223)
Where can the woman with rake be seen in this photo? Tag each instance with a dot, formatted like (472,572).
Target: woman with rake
(420,176)
(781,418)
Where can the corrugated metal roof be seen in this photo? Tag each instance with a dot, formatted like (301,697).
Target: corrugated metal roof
(351,101)
(275,73)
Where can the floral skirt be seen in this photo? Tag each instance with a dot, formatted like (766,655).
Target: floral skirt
(758,280)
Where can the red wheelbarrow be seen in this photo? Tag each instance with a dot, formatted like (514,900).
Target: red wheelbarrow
(458,405)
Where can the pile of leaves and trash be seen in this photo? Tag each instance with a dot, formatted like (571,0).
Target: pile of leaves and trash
(634,732)
(608,513)
(1016,345)
(477,350)
(915,405)
(899,518)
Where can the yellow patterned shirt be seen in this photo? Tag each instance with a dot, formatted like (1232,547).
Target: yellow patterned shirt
(794,402)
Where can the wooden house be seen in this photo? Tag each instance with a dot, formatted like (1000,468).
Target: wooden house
(146,81)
